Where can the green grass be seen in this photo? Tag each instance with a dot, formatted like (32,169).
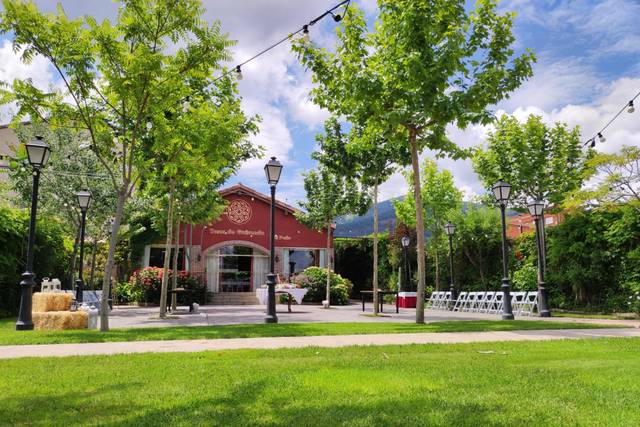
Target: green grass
(9,336)
(584,315)
(549,383)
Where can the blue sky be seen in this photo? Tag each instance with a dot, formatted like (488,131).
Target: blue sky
(588,67)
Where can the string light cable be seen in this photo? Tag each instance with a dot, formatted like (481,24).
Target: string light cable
(305,34)
(629,107)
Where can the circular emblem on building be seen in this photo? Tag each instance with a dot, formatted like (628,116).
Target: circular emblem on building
(239,212)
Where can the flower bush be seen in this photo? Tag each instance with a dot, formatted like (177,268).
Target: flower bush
(144,286)
(315,279)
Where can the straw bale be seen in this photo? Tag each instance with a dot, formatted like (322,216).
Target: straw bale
(60,320)
(51,301)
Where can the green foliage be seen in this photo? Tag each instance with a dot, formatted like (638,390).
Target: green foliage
(613,179)
(315,279)
(540,162)
(144,287)
(525,278)
(51,254)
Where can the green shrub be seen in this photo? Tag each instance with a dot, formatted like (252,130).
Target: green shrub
(315,279)
(51,254)
(525,278)
(145,285)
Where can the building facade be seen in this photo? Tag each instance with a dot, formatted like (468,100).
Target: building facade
(524,223)
(232,253)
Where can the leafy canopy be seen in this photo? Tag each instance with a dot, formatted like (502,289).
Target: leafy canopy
(540,162)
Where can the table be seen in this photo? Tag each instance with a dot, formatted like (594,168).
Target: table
(381,293)
(293,293)
(179,291)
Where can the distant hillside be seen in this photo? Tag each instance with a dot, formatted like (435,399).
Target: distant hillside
(358,226)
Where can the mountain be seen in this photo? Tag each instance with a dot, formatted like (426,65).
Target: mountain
(360,226)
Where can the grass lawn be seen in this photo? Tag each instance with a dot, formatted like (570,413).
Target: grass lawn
(581,315)
(8,334)
(552,383)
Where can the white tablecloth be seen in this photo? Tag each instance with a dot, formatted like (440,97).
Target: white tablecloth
(296,293)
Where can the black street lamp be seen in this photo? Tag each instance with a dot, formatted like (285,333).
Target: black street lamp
(405,244)
(84,200)
(272,170)
(501,191)
(38,152)
(450,229)
(536,209)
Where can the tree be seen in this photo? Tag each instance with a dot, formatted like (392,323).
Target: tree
(613,179)
(329,195)
(440,200)
(73,167)
(425,65)
(117,78)
(366,154)
(540,162)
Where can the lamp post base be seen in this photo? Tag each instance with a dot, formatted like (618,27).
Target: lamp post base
(270,319)
(27,283)
(507,317)
(546,313)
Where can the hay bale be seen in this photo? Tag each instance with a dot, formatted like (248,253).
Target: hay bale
(44,302)
(60,320)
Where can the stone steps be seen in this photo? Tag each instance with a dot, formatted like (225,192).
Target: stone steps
(233,298)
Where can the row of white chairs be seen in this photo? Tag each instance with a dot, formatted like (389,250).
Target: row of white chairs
(522,303)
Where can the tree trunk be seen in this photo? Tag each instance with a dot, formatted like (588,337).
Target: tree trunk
(174,281)
(419,225)
(375,249)
(328,297)
(167,255)
(113,241)
(93,260)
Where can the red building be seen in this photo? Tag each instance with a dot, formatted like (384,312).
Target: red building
(232,253)
(524,223)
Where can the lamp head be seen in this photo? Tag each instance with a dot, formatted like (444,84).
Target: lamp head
(38,152)
(405,241)
(272,170)
(501,191)
(84,199)
(449,228)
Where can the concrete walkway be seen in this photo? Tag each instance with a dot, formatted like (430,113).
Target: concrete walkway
(185,346)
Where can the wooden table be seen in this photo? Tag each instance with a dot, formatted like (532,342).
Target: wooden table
(381,293)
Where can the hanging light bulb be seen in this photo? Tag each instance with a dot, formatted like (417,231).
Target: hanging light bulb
(306,38)
(238,73)
(185,106)
(149,126)
(336,17)
(601,137)
(593,142)
(631,108)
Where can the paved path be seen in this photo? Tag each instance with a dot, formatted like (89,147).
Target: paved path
(17,351)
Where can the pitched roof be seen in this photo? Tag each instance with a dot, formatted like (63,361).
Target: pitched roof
(244,190)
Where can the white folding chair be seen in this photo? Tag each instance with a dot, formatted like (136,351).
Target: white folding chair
(431,300)
(479,302)
(487,303)
(517,300)
(529,304)
(462,298)
(498,302)
(471,298)
(438,302)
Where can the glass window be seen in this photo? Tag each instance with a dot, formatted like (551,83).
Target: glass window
(300,259)
(156,258)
